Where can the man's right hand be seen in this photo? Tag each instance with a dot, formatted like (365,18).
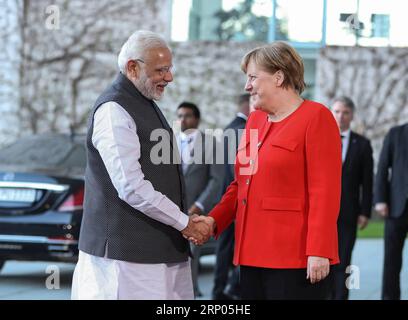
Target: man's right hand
(382,209)
(198,232)
(208,221)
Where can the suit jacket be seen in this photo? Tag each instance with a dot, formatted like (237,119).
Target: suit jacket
(232,129)
(204,180)
(286,198)
(392,188)
(357,180)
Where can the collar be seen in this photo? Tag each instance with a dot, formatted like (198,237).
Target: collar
(346,134)
(192,133)
(243,116)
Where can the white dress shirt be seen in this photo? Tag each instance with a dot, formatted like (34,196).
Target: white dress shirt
(345,141)
(186,143)
(115,137)
(243,116)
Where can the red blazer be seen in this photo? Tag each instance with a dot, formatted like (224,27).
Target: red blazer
(286,196)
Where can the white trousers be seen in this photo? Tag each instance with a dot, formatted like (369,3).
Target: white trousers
(97,278)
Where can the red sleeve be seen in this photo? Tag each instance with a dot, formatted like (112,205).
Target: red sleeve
(323,162)
(224,212)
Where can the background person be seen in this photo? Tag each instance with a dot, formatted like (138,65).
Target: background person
(356,191)
(391,202)
(226,286)
(203,176)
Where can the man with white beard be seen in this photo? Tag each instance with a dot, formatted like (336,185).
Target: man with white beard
(134,228)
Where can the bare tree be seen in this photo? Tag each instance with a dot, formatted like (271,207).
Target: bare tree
(62,54)
(9,62)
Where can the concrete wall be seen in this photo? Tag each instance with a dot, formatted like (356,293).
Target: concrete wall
(60,79)
(375,78)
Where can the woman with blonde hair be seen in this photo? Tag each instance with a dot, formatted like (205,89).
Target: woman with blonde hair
(285,198)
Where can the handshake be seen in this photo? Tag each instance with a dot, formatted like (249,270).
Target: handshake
(199,229)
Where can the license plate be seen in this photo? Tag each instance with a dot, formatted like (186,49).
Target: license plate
(17,195)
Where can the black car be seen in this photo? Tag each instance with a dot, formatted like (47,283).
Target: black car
(41,198)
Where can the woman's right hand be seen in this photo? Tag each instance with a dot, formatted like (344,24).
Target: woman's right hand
(318,268)
(209,221)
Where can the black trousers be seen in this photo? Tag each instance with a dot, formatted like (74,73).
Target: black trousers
(395,232)
(224,254)
(281,284)
(347,237)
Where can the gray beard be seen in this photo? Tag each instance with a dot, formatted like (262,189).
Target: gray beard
(149,93)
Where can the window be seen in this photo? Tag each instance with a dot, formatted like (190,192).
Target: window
(299,22)
(380,25)
(342,24)
(312,23)
(229,20)
(366,23)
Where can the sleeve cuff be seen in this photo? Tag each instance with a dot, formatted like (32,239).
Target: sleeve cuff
(181,223)
(200,205)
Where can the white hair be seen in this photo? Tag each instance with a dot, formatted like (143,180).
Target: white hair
(136,46)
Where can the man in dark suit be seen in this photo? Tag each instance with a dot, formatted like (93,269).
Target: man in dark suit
(225,286)
(356,191)
(391,193)
(202,174)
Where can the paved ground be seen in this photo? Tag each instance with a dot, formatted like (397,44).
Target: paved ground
(28,280)
(367,256)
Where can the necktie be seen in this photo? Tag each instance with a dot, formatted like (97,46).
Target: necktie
(185,153)
(184,143)
(167,127)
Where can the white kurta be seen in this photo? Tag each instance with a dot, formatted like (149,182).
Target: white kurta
(115,138)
